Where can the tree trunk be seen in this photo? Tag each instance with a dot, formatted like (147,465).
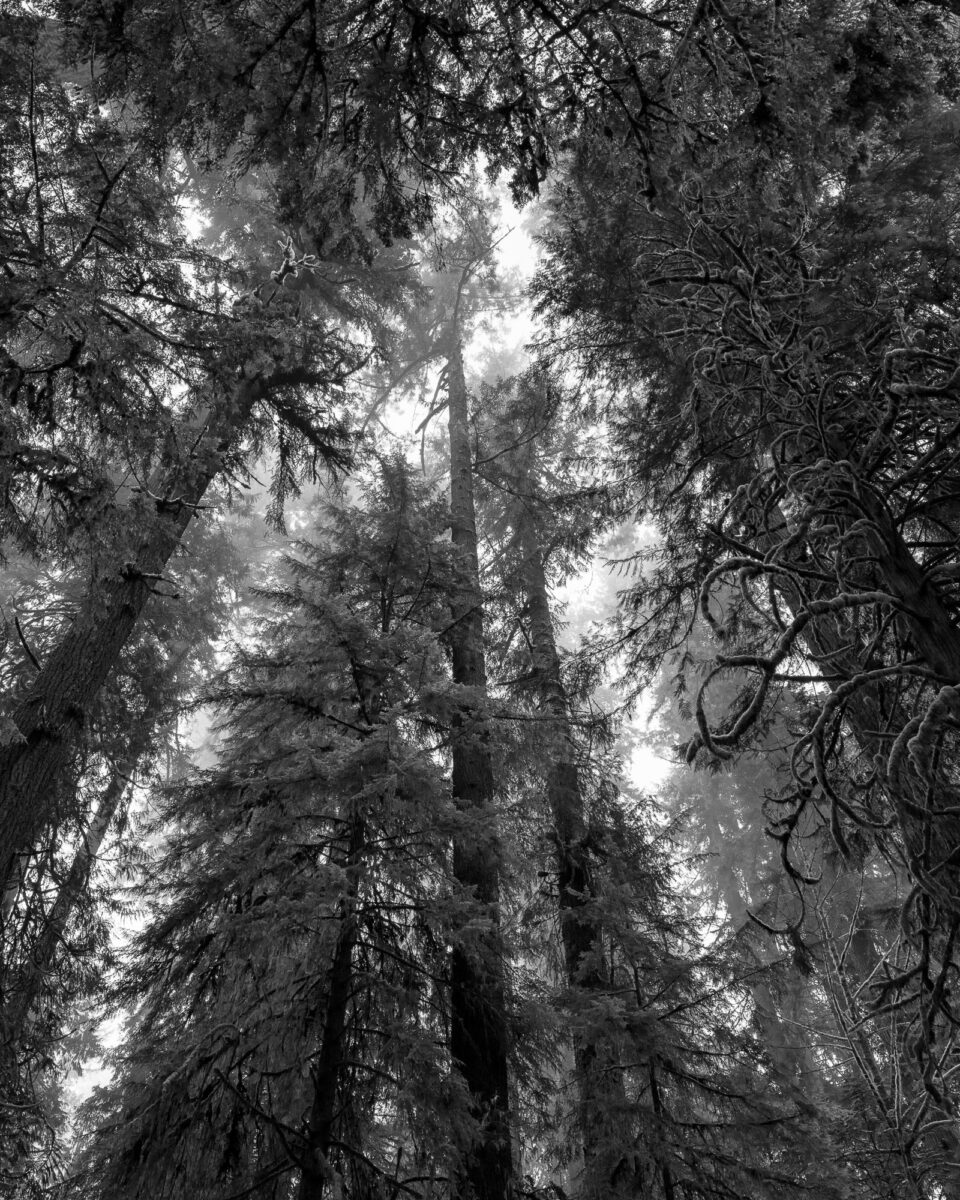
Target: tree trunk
(316,1172)
(478,1034)
(605,1126)
(22,992)
(50,714)
(25,991)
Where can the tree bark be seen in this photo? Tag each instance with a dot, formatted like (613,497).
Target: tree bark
(923,616)
(875,716)
(50,715)
(478,1034)
(26,990)
(605,1128)
(316,1172)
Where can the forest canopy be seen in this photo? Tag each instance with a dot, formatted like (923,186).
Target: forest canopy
(399,403)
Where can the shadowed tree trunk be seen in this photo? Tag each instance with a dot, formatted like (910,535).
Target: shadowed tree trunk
(23,992)
(604,1121)
(26,990)
(23,989)
(478,1036)
(874,713)
(315,1171)
(51,712)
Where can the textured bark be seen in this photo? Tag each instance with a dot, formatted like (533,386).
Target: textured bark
(873,713)
(923,617)
(669,1191)
(315,1171)
(26,990)
(478,1036)
(50,714)
(872,710)
(605,1128)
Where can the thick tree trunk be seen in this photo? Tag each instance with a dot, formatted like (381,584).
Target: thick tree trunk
(872,709)
(51,713)
(26,989)
(24,986)
(605,1127)
(316,1172)
(478,1035)
(23,991)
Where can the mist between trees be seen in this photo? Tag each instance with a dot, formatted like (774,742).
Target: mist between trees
(408,924)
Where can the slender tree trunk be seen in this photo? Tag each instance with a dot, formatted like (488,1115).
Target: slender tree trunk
(23,991)
(51,713)
(316,1172)
(669,1191)
(478,1034)
(605,1126)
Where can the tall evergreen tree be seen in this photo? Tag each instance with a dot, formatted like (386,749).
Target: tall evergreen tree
(750,244)
(478,1036)
(653,1111)
(291,989)
(112,117)
(522,446)
(776,311)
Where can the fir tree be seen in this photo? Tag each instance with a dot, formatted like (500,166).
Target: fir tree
(291,987)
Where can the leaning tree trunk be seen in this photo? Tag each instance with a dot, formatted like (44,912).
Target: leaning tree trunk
(478,1034)
(50,715)
(22,992)
(603,1112)
(25,990)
